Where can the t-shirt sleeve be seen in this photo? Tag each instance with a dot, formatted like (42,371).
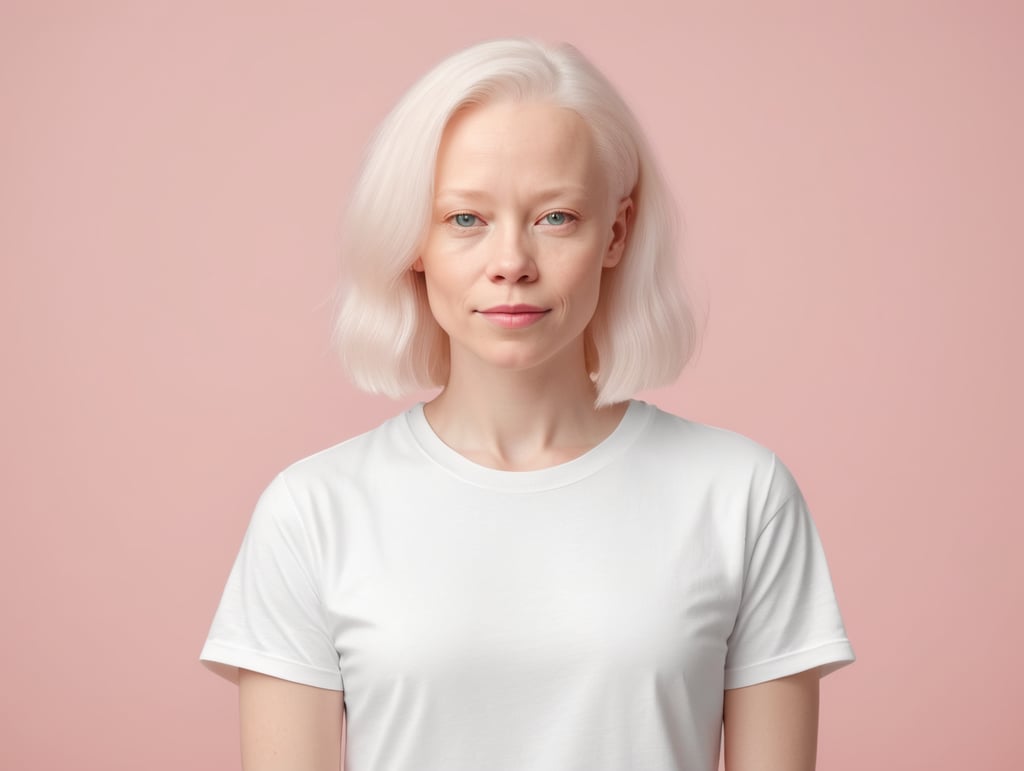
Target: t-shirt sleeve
(788,619)
(270,618)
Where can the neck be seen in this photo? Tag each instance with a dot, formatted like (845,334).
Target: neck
(521,419)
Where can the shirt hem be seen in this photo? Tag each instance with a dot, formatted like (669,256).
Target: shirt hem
(226,660)
(828,657)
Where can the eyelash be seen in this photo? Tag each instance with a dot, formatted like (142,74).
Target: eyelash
(452,220)
(570,218)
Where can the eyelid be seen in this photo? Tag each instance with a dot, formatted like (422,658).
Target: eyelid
(449,219)
(573,216)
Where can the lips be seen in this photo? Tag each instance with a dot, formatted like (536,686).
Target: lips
(514,309)
(514,316)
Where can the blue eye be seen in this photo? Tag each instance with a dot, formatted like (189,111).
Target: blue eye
(557,218)
(464,220)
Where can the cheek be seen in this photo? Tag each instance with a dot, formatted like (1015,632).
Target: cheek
(582,278)
(447,291)
(437,297)
(444,281)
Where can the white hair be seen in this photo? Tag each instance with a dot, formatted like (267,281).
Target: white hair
(643,332)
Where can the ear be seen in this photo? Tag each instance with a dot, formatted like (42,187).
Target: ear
(620,229)
(418,265)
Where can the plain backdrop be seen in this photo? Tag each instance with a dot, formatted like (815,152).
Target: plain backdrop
(172,178)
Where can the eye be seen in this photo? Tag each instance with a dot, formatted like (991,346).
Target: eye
(464,220)
(558,218)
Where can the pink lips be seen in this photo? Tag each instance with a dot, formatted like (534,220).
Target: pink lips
(513,316)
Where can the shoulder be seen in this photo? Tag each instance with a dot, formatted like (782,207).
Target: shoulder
(710,446)
(359,459)
(727,460)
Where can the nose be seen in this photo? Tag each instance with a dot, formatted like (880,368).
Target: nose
(513,260)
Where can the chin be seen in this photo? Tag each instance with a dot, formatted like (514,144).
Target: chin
(514,363)
(518,358)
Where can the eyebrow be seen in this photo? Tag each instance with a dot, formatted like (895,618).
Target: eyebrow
(553,192)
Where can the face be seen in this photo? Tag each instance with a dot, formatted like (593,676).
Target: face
(522,228)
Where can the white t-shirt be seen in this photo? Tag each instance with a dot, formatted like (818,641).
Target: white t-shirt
(586,616)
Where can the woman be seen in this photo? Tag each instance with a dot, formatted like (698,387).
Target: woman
(533,570)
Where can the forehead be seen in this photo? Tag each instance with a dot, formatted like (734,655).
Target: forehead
(516,145)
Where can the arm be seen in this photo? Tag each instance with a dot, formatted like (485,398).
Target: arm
(288,726)
(773,726)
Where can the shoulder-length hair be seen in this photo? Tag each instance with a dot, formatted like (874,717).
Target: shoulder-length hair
(643,332)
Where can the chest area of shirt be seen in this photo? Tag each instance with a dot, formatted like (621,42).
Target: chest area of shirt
(528,588)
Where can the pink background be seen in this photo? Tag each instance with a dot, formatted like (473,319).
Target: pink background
(171,181)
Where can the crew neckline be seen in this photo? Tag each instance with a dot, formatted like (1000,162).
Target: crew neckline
(632,422)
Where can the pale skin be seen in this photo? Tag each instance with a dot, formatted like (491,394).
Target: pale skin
(523,215)
(520,399)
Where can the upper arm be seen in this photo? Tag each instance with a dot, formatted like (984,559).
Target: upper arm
(773,726)
(288,725)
